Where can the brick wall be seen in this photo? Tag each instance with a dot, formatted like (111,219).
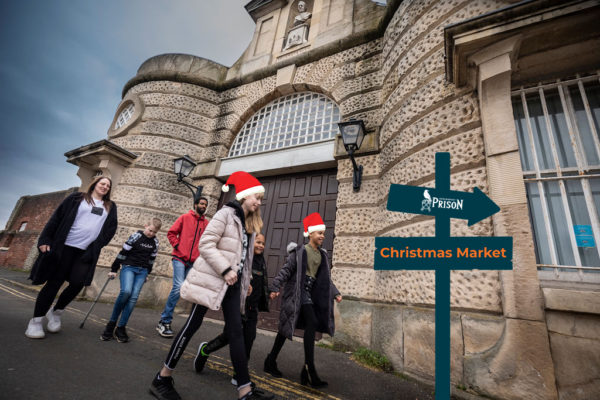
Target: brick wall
(35,211)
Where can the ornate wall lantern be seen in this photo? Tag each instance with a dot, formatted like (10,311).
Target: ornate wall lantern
(182,167)
(353,133)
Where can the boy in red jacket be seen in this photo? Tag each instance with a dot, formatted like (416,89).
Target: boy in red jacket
(184,236)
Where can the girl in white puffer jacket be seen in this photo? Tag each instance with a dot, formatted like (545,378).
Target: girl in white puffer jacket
(220,279)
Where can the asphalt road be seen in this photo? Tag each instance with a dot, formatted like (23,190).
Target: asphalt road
(76,364)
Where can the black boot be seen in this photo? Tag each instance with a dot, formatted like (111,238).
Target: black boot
(309,376)
(108,331)
(271,367)
(121,334)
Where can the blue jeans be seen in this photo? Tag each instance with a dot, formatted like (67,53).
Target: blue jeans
(179,274)
(132,279)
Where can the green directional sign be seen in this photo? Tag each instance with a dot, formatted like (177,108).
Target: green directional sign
(418,253)
(428,201)
(442,253)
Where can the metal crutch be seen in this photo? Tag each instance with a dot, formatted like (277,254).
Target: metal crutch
(95,301)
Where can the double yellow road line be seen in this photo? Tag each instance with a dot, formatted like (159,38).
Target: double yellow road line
(281,387)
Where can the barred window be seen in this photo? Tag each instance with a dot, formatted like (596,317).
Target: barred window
(296,119)
(557,129)
(125,116)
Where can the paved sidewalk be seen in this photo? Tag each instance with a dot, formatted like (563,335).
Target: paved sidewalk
(75,364)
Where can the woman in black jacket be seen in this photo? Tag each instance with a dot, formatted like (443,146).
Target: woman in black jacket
(69,247)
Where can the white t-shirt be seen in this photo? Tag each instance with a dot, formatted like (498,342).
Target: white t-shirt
(88,224)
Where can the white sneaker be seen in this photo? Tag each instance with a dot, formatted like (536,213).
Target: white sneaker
(35,329)
(54,320)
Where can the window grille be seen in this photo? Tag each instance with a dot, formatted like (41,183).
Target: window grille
(557,129)
(125,116)
(293,120)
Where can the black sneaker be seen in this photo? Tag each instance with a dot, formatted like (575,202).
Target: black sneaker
(200,359)
(108,331)
(256,394)
(164,329)
(163,388)
(121,334)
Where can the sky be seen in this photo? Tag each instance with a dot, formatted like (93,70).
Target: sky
(63,65)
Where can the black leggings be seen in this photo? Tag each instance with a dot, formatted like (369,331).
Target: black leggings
(233,331)
(310,324)
(46,296)
(248,326)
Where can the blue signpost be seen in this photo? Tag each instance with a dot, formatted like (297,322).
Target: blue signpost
(442,253)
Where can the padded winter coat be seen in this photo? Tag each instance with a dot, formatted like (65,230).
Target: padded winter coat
(220,248)
(292,275)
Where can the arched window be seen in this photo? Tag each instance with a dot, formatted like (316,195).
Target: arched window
(125,116)
(296,119)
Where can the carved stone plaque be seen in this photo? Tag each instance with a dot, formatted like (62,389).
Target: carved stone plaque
(297,35)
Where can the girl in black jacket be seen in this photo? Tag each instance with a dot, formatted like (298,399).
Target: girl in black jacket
(307,301)
(69,247)
(257,300)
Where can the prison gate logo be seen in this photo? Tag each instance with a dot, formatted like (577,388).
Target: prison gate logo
(430,202)
(426,203)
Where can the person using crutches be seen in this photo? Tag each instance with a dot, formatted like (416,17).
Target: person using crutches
(136,258)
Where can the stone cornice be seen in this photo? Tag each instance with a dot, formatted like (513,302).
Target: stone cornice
(97,148)
(464,38)
(146,74)
(258,8)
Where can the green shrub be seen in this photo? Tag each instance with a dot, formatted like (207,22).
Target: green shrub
(372,359)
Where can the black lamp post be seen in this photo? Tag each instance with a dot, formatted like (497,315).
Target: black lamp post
(183,166)
(353,133)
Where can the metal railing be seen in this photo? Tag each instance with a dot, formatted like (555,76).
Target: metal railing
(555,151)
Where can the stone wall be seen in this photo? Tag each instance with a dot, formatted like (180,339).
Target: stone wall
(419,114)
(575,345)
(35,211)
(182,118)
(176,119)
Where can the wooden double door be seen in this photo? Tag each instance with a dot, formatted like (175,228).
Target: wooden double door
(288,199)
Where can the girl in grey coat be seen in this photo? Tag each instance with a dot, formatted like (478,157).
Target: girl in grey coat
(307,301)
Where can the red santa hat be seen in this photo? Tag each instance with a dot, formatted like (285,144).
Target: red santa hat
(312,223)
(245,184)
